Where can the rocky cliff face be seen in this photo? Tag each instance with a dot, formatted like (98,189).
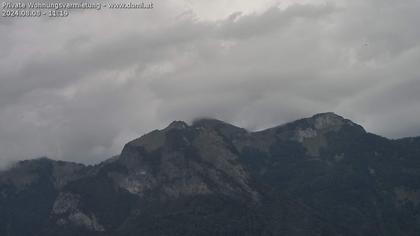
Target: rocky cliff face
(322,175)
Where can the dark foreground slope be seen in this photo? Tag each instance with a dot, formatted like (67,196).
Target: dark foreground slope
(322,175)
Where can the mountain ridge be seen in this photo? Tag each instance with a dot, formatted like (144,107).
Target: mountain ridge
(322,175)
(218,121)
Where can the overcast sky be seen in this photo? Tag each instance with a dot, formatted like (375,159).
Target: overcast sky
(78,88)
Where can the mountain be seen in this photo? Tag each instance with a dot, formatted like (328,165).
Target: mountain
(323,175)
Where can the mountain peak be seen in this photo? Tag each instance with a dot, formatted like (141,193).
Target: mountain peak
(331,121)
(312,132)
(328,120)
(225,129)
(177,124)
(328,114)
(208,122)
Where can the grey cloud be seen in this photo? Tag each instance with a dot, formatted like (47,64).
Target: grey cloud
(83,94)
(272,20)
